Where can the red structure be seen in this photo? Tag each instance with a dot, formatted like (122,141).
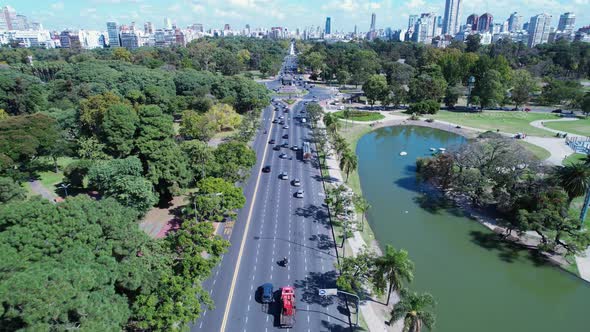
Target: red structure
(288,306)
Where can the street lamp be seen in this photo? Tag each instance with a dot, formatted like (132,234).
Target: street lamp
(585,206)
(65,188)
(195,201)
(470,85)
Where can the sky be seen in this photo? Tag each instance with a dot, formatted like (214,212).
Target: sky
(345,14)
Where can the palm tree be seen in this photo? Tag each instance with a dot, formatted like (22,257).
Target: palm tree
(340,145)
(413,308)
(393,268)
(574,179)
(333,127)
(587,160)
(348,162)
(363,206)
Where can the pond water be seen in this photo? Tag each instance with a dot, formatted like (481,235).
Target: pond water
(479,283)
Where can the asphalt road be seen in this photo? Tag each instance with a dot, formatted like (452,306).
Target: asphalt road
(278,225)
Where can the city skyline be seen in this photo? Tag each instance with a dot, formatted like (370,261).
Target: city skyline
(345,14)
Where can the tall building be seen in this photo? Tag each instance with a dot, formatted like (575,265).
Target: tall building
(425,28)
(412,21)
(514,22)
(485,22)
(566,22)
(130,39)
(7,18)
(148,28)
(21,23)
(452,17)
(373,19)
(113,32)
(473,20)
(167,23)
(69,39)
(328,29)
(539,29)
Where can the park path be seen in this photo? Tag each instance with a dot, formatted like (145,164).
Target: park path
(540,124)
(374,314)
(39,189)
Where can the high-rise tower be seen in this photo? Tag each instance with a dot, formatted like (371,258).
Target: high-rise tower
(328,29)
(452,18)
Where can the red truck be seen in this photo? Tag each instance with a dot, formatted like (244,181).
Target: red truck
(306,151)
(288,307)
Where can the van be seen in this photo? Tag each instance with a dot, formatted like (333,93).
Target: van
(267,292)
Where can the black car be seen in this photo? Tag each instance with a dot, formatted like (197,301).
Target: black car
(286,136)
(276,147)
(557,111)
(272,141)
(266,169)
(286,145)
(282,122)
(275,121)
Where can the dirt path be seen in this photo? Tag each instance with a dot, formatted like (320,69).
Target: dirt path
(39,189)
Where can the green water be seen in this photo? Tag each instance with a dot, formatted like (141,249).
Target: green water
(479,284)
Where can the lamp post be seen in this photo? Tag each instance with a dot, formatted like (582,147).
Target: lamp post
(470,85)
(585,207)
(195,201)
(65,188)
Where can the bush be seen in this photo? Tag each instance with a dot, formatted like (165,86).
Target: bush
(430,120)
(424,107)
(414,117)
(75,172)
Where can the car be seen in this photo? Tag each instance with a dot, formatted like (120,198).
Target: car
(281,117)
(272,141)
(299,193)
(286,145)
(276,147)
(315,97)
(294,148)
(286,127)
(266,169)
(282,122)
(286,136)
(296,183)
(284,176)
(557,111)
(267,293)
(283,156)
(275,121)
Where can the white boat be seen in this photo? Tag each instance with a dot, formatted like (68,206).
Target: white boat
(442,149)
(403,153)
(432,149)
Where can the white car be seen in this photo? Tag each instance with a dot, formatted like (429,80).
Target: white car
(296,183)
(285,127)
(283,156)
(299,193)
(284,176)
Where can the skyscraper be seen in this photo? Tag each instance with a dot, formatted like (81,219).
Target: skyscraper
(412,21)
(566,22)
(167,23)
(113,32)
(539,29)
(514,22)
(373,19)
(485,22)
(7,18)
(452,17)
(328,26)
(472,20)
(148,28)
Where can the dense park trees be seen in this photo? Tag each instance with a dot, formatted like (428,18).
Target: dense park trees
(502,73)
(84,263)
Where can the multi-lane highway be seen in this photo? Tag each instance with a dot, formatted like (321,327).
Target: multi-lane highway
(276,224)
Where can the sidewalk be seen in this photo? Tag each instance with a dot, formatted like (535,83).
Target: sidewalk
(374,314)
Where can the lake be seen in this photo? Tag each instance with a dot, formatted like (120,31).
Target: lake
(479,283)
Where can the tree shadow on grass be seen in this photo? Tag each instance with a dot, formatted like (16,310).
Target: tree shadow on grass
(508,251)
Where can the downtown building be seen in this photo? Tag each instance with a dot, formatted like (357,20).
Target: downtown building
(452,17)
(539,29)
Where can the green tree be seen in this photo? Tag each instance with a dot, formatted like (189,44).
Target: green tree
(427,87)
(574,179)
(355,271)
(393,268)
(424,107)
(452,94)
(11,190)
(473,43)
(558,92)
(362,64)
(523,86)
(413,308)
(362,205)
(215,199)
(232,161)
(90,148)
(585,104)
(122,54)
(314,112)
(375,88)
(199,156)
(342,77)
(21,94)
(490,89)
(348,162)
(93,109)
(118,129)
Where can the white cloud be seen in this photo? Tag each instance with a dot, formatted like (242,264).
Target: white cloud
(415,4)
(57,6)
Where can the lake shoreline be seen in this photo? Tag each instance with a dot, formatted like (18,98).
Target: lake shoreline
(483,218)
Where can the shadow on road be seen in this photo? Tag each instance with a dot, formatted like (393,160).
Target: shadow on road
(310,286)
(324,241)
(295,243)
(316,213)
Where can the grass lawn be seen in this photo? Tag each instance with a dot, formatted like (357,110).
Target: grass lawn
(361,116)
(47,175)
(578,127)
(224,134)
(574,158)
(301,92)
(509,122)
(289,101)
(537,151)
